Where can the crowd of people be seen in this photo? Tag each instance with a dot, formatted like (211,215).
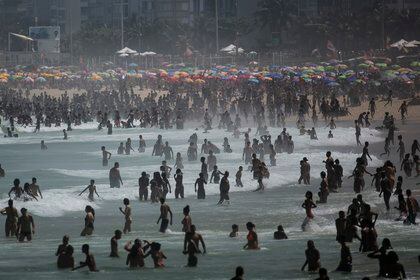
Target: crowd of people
(231,109)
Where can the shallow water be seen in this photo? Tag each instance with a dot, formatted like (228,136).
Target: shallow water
(67,166)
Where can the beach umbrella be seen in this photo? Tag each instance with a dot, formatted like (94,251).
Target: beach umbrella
(41,80)
(253,81)
(132,64)
(415,64)
(341,66)
(3,81)
(28,80)
(405,70)
(333,84)
(381,65)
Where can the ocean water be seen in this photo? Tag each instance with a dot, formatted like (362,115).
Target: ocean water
(67,166)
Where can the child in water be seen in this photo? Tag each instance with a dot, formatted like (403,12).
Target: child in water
(235,230)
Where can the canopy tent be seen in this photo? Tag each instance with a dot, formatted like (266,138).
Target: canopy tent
(231,49)
(126,51)
(401,44)
(414,42)
(147,53)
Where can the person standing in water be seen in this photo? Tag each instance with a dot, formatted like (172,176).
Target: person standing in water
(142,144)
(308,204)
(12,216)
(128,147)
(114,244)
(179,186)
(143,184)
(401,147)
(238,176)
(204,168)
(164,211)
(346,260)
(89,220)
(178,161)
(43,146)
(16,189)
(280,234)
(168,152)
(158,147)
(25,226)
(312,258)
(201,192)
(127,215)
(252,237)
(192,242)
(34,188)
(115,180)
(224,189)
(192,152)
(64,135)
(89,261)
(358,132)
(186,221)
(239,273)
(323,190)
(92,190)
(2,172)
(62,247)
(109,127)
(105,156)
(412,208)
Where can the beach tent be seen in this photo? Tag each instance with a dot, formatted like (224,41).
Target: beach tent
(147,53)
(231,49)
(399,44)
(126,51)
